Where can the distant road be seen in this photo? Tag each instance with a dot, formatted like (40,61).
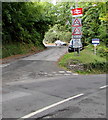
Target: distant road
(35,87)
(50,45)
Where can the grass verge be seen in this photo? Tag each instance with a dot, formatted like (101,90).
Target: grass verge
(85,63)
(19,49)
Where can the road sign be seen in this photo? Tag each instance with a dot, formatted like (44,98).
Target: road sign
(76,31)
(77,12)
(76,22)
(76,36)
(95,41)
(77,43)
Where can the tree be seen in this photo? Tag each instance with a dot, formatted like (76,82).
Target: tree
(25,22)
(93,26)
(57,32)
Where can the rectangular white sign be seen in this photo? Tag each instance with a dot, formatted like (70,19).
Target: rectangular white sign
(95,41)
(76,36)
(77,43)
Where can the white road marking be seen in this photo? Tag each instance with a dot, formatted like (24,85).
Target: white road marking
(44,73)
(68,71)
(4,65)
(53,105)
(75,73)
(103,86)
(61,71)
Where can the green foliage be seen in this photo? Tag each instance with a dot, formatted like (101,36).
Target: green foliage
(102,51)
(19,48)
(90,62)
(97,66)
(57,32)
(93,24)
(25,22)
(63,13)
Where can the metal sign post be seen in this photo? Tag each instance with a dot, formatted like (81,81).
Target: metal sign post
(95,42)
(77,45)
(76,27)
(95,48)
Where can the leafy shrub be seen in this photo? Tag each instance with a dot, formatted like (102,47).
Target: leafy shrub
(103,52)
(97,66)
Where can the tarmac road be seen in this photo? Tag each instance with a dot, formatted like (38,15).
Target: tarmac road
(35,87)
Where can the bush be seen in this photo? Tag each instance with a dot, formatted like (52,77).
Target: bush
(97,66)
(103,52)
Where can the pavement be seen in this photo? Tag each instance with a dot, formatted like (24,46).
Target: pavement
(35,87)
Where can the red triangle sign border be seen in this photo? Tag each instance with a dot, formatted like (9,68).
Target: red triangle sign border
(73,25)
(75,31)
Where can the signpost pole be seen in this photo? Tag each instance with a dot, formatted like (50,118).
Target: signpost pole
(95,42)
(95,48)
(78,49)
(76,28)
(74,51)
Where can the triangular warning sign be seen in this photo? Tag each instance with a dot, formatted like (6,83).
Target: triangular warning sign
(76,23)
(76,31)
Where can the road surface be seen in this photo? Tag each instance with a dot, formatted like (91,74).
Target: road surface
(35,87)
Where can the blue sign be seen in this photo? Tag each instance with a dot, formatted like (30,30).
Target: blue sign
(95,41)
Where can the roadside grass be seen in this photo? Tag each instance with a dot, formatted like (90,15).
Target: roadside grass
(92,63)
(19,49)
(0,51)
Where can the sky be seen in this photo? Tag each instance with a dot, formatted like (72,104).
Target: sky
(54,2)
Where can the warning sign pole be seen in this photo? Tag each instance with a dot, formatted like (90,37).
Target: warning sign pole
(78,49)
(76,1)
(76,27)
